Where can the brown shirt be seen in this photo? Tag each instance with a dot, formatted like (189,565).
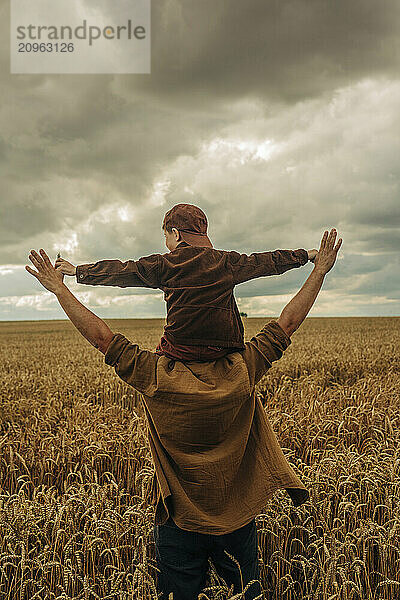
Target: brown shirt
(198,287)
(217,460)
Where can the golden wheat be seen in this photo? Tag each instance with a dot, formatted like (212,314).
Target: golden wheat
(75,466)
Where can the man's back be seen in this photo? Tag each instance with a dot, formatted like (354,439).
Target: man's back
(217,458)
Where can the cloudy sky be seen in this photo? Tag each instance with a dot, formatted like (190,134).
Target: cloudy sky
(280,119)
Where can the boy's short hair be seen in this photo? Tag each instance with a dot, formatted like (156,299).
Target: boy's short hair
(167,228)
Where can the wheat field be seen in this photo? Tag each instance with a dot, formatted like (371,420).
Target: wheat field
(75,466)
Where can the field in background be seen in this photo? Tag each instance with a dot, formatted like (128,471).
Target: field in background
(75,467)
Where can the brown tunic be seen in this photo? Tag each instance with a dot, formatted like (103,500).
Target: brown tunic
(217,459)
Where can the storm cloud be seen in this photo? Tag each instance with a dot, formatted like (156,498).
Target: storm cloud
(279,119)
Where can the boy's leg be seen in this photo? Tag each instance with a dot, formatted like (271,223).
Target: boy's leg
(182,557)
(242,544)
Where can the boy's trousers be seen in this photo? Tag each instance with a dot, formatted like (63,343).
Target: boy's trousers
(182,558)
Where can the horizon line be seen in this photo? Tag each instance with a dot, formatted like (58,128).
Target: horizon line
(163,318)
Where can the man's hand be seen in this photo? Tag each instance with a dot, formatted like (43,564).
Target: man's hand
(327,253)
(90,326)
(65,267)
(49,277)
(312,254)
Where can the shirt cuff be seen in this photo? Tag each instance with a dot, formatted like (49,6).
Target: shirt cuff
(81,273)
(303,256)
(279,334)
(115,349)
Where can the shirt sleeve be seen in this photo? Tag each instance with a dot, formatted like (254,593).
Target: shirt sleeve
(260,264)
(263,349)
(131,273)
(135,366)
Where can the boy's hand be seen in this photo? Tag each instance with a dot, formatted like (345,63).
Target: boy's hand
(49,277)
(65,267)
(327,252)
(312,254)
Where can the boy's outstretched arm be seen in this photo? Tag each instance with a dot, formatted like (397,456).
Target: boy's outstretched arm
(94,329)
(260,264)
(299,306)
(143,272)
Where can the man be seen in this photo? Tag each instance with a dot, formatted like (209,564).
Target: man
(216,457)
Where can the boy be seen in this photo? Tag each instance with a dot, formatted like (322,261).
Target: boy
(203,321)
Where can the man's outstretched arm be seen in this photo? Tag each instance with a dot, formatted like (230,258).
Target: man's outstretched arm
(94,329)
(299,306)
(270,343)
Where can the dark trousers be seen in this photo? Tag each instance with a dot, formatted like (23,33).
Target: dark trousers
(182,558)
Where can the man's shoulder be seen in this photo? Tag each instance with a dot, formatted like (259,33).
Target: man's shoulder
(119,344)
(263,349)
(271,331)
